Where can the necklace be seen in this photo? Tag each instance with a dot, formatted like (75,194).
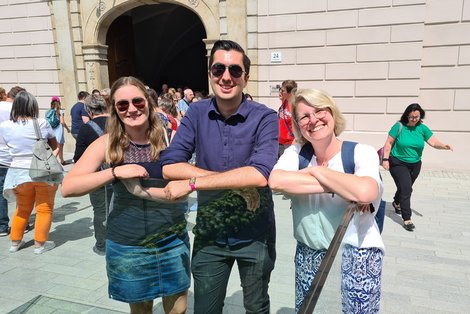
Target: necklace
(138,146)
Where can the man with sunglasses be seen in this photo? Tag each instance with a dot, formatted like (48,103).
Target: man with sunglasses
(236,145)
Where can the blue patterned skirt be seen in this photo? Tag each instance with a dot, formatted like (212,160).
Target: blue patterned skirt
(361,277)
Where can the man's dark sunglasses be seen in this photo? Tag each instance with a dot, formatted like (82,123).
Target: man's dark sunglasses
(235,71)
(123,105)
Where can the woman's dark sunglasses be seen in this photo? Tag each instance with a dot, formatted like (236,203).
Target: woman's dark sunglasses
(123,105)
(235,71)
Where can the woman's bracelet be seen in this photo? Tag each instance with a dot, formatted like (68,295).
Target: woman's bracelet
(114,173)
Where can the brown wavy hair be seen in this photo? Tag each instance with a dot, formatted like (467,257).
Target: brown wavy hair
(118,139)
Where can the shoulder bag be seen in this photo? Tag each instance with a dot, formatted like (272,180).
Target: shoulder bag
(380,152)
(44,165)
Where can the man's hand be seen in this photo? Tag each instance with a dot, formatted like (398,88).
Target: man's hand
(176,190)
(251,197)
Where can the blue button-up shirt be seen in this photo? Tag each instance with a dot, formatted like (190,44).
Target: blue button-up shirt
(249,137)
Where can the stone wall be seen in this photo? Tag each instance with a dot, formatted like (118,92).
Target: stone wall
(375,58)
(27,49)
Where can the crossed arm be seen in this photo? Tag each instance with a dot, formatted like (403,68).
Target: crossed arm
(321,179)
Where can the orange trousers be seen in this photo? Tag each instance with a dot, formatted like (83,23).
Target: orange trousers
(28,194)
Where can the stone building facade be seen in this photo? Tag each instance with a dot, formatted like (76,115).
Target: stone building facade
(374,56)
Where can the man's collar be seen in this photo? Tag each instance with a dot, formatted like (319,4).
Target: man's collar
(242,110)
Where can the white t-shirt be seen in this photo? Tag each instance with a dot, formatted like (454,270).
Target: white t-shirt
(317,216)
(20,138)
(5,109)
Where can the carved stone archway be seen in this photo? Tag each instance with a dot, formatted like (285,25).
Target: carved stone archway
(97,16)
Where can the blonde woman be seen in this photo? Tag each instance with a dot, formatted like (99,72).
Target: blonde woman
(320,195)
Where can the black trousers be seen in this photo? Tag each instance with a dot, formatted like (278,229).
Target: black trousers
(404,174)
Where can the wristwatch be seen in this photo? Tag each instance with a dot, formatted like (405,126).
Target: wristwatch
(384,159)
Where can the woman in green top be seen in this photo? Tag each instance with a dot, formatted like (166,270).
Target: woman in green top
(402,156)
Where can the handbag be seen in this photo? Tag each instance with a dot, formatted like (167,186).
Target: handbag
(44,165)
(380,152)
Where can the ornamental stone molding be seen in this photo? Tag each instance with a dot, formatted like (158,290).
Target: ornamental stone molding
(97,16)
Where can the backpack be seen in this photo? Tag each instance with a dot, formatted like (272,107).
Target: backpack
(52,118)
(347,157)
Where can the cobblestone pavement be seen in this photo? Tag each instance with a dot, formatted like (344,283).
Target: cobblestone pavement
(425,271)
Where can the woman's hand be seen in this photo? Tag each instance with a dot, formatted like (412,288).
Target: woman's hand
(134,187)
(448,147)
(150,193)
(129,171)
(385,165)
(362,208)
(251,197)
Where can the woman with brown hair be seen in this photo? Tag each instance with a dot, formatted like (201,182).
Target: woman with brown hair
(20,136)
(147,245)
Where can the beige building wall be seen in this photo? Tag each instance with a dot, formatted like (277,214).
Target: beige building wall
(27,49)
(374,56)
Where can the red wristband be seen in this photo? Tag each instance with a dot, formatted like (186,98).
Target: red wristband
(192,183)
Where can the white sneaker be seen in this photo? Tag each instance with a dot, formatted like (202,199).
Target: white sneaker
(15,248)
(47,246)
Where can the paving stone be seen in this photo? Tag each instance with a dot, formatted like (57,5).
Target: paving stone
(426,271)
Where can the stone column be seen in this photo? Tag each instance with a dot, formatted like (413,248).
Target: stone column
(236,21)
(96,66)
(65,51)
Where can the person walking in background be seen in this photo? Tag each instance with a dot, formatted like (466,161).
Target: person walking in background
(96,107)
(183,104)
(3,94)
(5,160)
(236,145)
(286,133)
(320,195)
(147,245)
(79,114)
(159,111)
(55,117)
(20,136)
(403,150)
(169,107)
(165,89)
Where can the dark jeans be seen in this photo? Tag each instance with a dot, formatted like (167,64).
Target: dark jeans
(211,267)
(4,220)
(99,200)
(404,174)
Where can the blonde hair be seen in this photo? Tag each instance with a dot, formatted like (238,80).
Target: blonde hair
(317,99)
(118,139)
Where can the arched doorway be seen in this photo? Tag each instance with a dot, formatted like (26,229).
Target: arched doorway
(160,43)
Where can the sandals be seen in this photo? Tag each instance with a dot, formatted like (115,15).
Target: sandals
(397,208)
(408,225)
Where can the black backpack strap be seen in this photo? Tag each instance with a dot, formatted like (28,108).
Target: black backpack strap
(305,155)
